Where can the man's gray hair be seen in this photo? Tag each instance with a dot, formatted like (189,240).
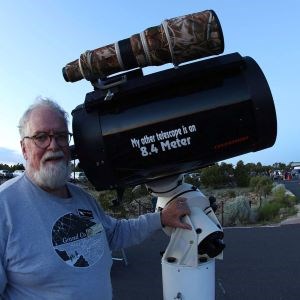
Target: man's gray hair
(40,102)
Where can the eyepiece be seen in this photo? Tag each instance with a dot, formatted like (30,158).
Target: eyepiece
(212,245)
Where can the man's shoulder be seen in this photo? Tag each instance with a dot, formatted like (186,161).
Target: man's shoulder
(76,187)
(10,184)
(79,190)
(11,190)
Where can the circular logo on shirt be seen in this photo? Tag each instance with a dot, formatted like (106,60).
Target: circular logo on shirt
(78,239)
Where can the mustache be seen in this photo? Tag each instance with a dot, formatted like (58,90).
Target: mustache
(52,155)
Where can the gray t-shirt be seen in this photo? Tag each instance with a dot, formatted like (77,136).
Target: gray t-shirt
(54,248)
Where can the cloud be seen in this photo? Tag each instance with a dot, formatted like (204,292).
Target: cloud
(10,157)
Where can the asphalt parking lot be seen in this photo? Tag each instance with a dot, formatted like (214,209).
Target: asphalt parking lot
(261,263)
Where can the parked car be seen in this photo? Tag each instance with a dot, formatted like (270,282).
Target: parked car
(6,174)
(192,178)
(277,175)
(194,175)
(296,173)
(82,177)
(18,172)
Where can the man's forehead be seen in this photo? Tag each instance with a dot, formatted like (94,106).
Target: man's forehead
(45,119)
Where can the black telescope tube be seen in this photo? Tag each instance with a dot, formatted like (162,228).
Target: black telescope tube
(175,121)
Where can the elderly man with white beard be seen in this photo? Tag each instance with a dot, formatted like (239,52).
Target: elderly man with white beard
(55,239)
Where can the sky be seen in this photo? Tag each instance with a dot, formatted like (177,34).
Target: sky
(38,38)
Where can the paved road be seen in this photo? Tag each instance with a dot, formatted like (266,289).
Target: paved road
(294,187)
(259,264)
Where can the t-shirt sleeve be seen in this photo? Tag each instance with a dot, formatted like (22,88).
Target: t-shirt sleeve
(122,233)
(3,278)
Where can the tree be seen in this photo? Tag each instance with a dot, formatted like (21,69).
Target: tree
(279,166)
(4,167)
(262,186)
(17,167)
(213,176)
(241,174)
(12,168)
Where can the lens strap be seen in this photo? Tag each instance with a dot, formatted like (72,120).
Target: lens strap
(145,47)
(169,40)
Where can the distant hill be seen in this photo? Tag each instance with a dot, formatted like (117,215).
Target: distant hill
(10,157)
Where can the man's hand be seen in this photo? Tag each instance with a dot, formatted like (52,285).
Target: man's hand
(172,214)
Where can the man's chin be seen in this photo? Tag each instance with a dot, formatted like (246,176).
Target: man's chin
(53,174)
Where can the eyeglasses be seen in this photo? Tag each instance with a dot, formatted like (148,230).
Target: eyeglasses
(43,140)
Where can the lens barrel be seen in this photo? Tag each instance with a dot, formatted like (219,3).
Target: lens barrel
(176,40)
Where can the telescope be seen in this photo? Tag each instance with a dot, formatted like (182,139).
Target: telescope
(151,129)
(173,121)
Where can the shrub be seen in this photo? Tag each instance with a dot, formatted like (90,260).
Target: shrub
(129,204)
(254,182)
(269,211)
(262,186)
(278,187)
(230,194)
(261,183)
(281,196)
(281,201)
(237,211)
(105,198)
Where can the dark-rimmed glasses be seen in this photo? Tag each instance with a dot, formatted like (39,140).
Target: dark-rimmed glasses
(43,139)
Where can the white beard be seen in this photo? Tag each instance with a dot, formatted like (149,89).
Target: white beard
(52,175)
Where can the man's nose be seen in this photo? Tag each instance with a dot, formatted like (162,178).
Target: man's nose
(53,143)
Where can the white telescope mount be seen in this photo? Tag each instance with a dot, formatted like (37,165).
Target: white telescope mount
(188,263)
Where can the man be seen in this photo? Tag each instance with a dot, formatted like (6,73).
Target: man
(55,240)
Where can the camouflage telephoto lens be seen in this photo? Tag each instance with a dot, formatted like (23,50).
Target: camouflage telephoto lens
(176,40)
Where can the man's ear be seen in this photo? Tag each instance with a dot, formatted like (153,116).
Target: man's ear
(24,149)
